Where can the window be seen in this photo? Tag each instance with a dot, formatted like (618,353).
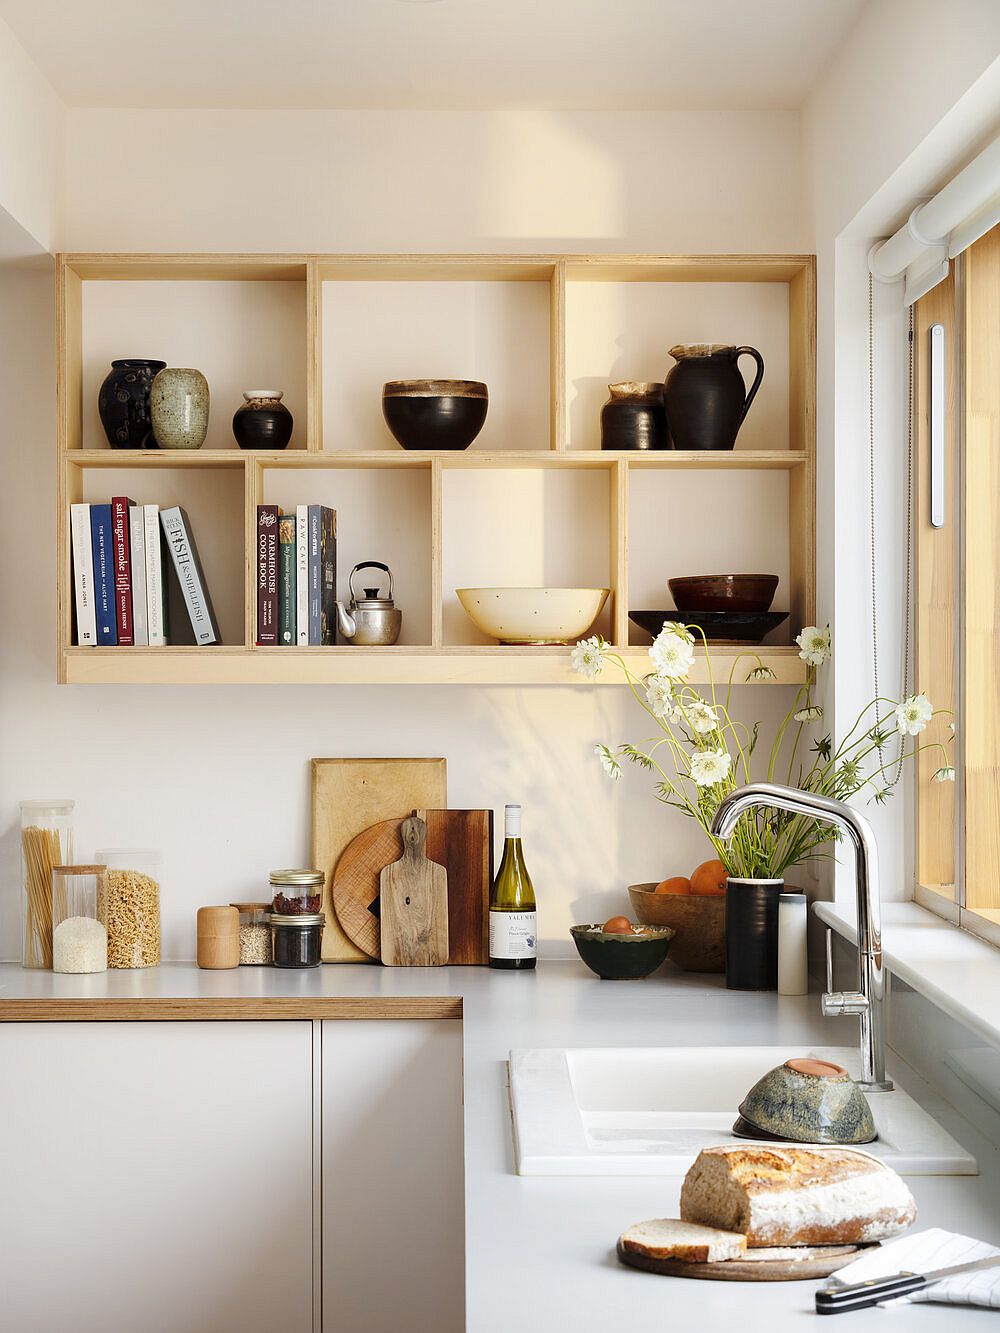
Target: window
(958,590)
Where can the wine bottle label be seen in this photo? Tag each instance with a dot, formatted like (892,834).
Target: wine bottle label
(513,935)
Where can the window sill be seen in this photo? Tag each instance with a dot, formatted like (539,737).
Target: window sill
(955,971)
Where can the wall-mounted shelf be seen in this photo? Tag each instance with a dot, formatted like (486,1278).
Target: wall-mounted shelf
(534,500)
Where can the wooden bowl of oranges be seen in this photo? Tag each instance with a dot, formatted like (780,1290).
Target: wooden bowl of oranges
(696,909)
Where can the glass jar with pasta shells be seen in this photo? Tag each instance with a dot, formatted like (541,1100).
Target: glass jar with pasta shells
(46,841)
(129,905)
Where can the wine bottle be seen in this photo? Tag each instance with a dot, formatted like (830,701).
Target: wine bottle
(513,932)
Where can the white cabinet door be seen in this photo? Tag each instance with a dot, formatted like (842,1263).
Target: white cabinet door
(155,1177)
(393,1177)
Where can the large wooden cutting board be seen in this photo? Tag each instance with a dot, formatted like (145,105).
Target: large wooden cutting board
(796,1264)
(462,842)
(413,898)
(350,795)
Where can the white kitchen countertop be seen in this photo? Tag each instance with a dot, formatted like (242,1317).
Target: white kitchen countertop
(540,1250)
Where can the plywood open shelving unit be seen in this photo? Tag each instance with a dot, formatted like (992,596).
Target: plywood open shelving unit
(82,457)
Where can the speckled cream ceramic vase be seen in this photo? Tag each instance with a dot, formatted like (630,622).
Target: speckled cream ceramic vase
(179,402)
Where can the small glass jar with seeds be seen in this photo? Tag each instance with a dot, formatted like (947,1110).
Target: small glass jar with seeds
(255,934)
(129,905)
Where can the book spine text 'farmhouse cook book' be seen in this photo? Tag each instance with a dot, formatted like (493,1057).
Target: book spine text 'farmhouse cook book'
(267,575)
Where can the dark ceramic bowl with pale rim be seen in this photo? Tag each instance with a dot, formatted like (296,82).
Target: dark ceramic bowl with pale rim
(435,414)
(723,592)
(807,1100)
(617,957)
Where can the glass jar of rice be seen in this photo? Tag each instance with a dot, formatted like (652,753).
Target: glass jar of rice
(129,905)
(79,938)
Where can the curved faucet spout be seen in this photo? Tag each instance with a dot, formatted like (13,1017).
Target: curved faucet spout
(871,973)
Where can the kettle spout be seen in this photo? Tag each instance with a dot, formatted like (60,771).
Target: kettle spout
(346,623)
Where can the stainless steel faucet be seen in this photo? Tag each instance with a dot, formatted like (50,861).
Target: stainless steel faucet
(866,1002)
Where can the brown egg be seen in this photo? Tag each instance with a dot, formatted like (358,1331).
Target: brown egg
(618,925)
(709,880)
(679,884)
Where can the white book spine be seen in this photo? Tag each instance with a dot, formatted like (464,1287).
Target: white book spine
(154,576)
(302,575)
(83,575)
(137,559)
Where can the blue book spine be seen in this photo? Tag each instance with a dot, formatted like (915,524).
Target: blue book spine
(104,575)
(315,575)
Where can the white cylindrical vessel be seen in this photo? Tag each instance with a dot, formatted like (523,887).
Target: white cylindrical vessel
(793,955)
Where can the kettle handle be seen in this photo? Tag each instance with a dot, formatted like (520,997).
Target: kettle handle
(370,564)
(750,351)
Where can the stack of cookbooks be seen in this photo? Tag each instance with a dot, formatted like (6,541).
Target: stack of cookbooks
(123,577)
(296,576)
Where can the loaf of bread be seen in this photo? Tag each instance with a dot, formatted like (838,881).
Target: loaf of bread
(796,1196)
(667,1238)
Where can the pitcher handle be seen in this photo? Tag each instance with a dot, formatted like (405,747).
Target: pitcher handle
(750,351)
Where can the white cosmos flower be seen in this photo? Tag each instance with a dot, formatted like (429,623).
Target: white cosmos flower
(672,651)
(913,714)
(814,645)
(945,774)
(710,766)
(701,717)
(609,763)
(659,697)
(809,714)
(588,657)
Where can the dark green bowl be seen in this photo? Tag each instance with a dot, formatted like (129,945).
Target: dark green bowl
(622,957)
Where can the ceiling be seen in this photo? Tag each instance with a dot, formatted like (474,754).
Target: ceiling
(433,54)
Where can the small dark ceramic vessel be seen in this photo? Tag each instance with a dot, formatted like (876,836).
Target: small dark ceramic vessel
(123,403)
(698,593)
(263,422)
(717,626)
(705,394)
(809,1101)
(435,414)
(622,957)
(634,417)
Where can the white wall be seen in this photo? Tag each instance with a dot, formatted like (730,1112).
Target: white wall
(32,124)
(219,777)
(912,93)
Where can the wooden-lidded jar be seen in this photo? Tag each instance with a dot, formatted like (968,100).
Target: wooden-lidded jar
(218,937)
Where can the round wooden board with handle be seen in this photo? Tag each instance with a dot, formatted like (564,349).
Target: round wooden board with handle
(797,1263)
(356,882)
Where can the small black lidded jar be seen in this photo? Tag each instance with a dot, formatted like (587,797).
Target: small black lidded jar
(296,941)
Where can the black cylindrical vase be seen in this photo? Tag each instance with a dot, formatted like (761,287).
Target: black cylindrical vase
(752,933)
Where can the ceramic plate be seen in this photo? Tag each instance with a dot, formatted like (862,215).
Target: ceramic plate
(719,626)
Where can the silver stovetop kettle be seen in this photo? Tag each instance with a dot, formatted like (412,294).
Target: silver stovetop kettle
(372,621)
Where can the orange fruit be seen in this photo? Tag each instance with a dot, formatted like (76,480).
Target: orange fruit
(618,925)
(709,880)
(679,884)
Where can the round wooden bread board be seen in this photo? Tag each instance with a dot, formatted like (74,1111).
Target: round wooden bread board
(356,882)
(809,1261)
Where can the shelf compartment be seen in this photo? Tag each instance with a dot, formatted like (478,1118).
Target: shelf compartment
(517,527)
(383,515)
(385,666)
(380,330)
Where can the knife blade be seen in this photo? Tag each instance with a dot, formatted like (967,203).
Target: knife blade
(859,1296)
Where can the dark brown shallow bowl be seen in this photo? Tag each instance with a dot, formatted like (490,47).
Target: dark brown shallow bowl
(723,592)
(435,414)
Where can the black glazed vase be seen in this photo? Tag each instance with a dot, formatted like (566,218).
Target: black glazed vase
(123,403)
(263,422)
(634,417)
(752,933)
(705,395)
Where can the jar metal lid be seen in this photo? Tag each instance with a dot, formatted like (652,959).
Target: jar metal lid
(297,878)
(303,919)
(57,807)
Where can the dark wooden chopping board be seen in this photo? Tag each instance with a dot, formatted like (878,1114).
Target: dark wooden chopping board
(462,842)
(810,1262)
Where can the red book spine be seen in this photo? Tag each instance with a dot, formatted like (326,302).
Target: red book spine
(123,568)
(267,575)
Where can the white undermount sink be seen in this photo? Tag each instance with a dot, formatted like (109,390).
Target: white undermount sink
(634,1111)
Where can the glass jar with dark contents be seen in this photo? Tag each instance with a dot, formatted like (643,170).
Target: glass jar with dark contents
(296,892)
(296,939)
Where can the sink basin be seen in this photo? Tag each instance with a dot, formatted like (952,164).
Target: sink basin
(633,1111)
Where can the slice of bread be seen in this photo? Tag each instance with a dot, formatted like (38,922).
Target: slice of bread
(668,1238)
(797,1196)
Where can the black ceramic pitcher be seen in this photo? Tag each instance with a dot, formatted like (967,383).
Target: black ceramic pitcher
(705,396)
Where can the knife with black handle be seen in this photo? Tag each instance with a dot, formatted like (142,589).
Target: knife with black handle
(862,1295)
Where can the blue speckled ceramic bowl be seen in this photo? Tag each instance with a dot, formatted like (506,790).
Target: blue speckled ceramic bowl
(809,1101)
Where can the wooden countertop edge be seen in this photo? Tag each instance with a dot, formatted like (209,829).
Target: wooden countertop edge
(162,1009)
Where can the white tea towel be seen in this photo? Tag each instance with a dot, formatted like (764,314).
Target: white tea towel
(924,1252)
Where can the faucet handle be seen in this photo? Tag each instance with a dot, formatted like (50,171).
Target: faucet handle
(837,1003)
(829,959)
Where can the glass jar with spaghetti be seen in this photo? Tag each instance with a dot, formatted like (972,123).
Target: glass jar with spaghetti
(46,841)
